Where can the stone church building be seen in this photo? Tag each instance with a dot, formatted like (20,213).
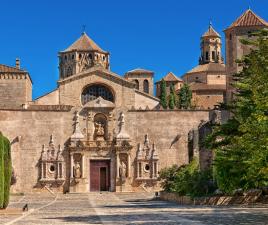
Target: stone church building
(98,131)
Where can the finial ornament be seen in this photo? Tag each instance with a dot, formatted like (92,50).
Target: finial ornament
(83,29)
(210,23)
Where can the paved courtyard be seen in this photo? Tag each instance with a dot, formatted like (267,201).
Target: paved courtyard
(124,208)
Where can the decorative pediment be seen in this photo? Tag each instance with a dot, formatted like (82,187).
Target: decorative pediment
(99,103)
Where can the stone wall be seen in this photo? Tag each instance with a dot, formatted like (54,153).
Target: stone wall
(28,131)
(168,129)
(15,90)
(51,98)
(207,99)
(144,101)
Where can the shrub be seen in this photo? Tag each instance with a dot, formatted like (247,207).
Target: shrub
(5,171)
(187,180)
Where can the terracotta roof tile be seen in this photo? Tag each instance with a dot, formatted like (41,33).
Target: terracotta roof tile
(211,32)
(84,43)
(249,18)
(140,70)
(209,67)
(171,77)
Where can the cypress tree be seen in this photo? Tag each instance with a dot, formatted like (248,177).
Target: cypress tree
(163,94)
(172,97)
(185,97)
(5,171)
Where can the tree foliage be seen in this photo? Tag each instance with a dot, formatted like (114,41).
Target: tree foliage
(185,97)
(5,171)
(163,94)
(187,180)
(241,144)
(172,97)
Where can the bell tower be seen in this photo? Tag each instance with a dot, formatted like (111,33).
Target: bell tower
(210,47)
(83,54)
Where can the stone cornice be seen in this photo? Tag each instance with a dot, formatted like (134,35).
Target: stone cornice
(53,108)
(14,76)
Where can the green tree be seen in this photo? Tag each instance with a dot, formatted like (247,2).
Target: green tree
(5,171)
(172,97)
(187,180)
(185,97)
(241,144)
(163,94)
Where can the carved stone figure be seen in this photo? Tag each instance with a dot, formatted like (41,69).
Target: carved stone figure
(122,171)
(99,129)
(77,170)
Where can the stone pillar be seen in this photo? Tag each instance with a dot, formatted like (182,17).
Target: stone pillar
(128,165)
(41,170)
(83,166)
(153,169)
(117,165)
(72,166)
(44,170)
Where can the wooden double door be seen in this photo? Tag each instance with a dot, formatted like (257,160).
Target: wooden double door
(99,175)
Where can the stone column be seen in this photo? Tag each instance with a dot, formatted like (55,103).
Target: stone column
(117,165)
(128,165)
(83,166)
(156,169)
(71,166)
(153,169)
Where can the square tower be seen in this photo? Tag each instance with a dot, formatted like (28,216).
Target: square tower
(143,80)
(242,28)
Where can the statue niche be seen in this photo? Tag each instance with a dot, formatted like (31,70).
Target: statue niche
(100,124)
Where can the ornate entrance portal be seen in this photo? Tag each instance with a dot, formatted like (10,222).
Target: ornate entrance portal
(99,175)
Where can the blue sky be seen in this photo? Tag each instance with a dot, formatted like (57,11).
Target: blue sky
(160,35)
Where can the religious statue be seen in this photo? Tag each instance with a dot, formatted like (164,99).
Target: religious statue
(122,171)
(77,170)
(99,131)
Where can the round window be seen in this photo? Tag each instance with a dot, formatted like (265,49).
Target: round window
(147,167)
(52,169)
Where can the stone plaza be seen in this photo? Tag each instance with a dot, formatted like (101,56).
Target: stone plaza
(125,208)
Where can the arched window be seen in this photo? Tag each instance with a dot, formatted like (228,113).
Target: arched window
(69,71)
(137,84)
(94,91)
(146,86)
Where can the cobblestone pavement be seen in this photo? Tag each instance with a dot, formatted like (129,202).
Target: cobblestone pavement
(125,208)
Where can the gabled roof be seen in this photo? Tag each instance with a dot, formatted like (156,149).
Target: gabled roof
(209,67)
(211,32)
(171,77)
(140,70)
(10,69)
(84,43)
(248,18)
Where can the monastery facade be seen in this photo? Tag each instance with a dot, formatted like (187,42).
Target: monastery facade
(99,131)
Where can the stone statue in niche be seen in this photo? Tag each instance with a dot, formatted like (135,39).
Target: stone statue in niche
(99,130)
(122,171)
(77,170)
